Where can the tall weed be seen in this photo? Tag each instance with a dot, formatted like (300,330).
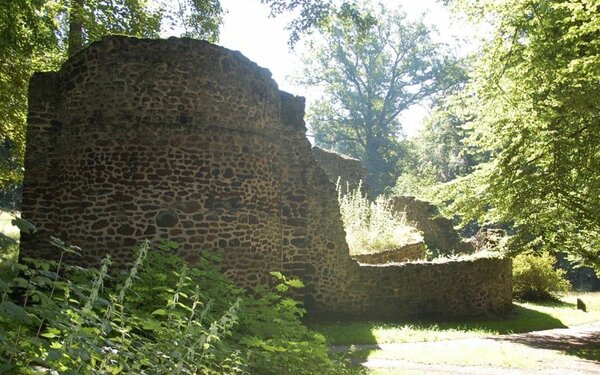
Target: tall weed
(372,226)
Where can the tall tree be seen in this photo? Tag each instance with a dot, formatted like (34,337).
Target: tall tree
(538,87)
(80,22)
(27,42)
(373,66)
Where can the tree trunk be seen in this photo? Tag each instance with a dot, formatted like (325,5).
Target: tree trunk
(75,26)
(373,164)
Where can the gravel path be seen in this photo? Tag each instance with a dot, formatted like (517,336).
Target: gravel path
(579,337)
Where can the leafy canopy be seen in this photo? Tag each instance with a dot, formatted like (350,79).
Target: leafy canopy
(26,41)
(440,153)
(312,14)
(536,88)
(373,65)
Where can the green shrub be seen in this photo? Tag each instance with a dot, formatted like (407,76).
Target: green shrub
(160,317)
(535,278)
(372,226)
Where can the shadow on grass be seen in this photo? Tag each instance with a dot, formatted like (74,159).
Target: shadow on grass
(362,332)
(367,334)
(356,357)
(583,343)
(590,354)
(520,319)
(342,335)
(551,302)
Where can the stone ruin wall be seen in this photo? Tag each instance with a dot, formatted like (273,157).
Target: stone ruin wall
(452,289)
(408,253)
(438,232)
(183,140)
(350,171)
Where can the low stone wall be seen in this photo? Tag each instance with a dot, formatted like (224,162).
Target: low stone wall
(410,252)
(453,289)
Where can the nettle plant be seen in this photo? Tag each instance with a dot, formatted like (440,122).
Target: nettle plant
(68,319)
(160,317)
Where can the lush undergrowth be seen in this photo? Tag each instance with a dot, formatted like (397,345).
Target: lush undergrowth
(372,226)
(160,317)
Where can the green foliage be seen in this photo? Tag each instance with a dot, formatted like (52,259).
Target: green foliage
(535,278)
(200,19)
(314,14)
(85,327)
(278,343)
(160,317)
(27,43)
(373,66)
(441,152)
(536,88)
(372,226)
(416,183)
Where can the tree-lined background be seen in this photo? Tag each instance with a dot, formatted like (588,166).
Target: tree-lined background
(511,140)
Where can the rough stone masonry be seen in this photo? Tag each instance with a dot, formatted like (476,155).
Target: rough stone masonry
(183,140)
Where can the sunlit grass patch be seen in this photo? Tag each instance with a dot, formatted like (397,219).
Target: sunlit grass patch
(566,308)
(348,333)
(9,244)
(410,333)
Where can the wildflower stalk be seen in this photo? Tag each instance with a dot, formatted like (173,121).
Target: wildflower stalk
(18,338)
(226,321)
(190,322)
(119,302)
(181,283)
(88,306)
(60,260)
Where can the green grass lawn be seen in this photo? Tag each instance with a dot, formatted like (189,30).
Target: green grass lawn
(525,317)
(433,349)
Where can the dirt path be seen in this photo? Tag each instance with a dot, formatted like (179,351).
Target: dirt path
(541,352)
